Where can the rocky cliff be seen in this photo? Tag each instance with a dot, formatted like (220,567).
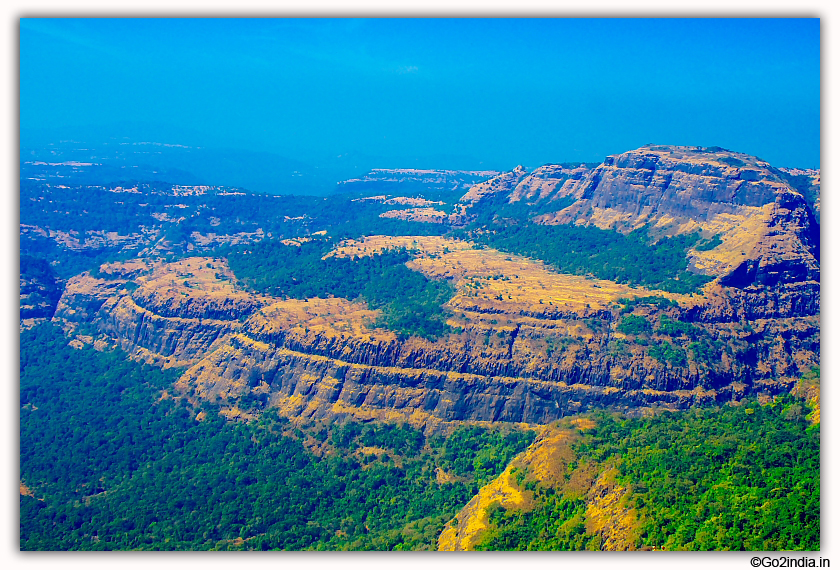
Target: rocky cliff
(525,343)
(550,182)
(760,222)
(682,182)
(502,183)
(511,359)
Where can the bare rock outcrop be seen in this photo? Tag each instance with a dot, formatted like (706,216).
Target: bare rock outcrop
(321,358)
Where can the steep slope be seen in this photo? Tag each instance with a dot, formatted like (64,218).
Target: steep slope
(759,228)
(550,182)
(502,183)
(683,183)
(525,345)
(739,477)
(547,458)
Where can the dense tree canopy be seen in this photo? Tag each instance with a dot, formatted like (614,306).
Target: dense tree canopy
(411,304)
(634,258)
(114,461)
(730,478)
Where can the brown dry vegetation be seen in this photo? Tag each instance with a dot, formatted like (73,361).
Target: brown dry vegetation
(463,532)
(547,461)
(482,276)
(427,215)
(333,316)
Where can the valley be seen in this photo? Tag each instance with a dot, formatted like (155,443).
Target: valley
(668,286)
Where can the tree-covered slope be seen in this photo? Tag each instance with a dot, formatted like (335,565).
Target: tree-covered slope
(634,258)
(732,478)
(109,460)
(411,304)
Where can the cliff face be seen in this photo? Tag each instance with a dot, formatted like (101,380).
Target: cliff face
(549,182)
(152,310)
(687,182)
(512,360)
(546,183)
(759,221)
(787,249)
(525,344)
(501,184)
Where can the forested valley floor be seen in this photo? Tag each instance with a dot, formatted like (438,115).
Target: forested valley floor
(111,460)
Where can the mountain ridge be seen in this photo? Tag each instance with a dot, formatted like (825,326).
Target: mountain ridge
(525,343)
(664,282)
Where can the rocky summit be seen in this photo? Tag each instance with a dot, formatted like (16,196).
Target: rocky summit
(571,357)
(524,341)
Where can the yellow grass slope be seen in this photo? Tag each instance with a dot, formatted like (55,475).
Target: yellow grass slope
(491,281)
(548,462)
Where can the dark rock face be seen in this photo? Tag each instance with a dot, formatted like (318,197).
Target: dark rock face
(321,383)
(40,289)
(461,399)
(783,301)
(788,251)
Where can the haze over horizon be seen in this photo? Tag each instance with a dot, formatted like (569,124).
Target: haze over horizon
(470,92)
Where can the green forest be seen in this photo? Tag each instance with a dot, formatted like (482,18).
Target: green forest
(115,461)
(634,258)
(729,478)
(113,464)
(411,304)
(40,288)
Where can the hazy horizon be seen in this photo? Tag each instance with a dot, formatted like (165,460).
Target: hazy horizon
(479,93)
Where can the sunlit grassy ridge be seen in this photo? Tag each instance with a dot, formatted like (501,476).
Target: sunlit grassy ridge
(734,478)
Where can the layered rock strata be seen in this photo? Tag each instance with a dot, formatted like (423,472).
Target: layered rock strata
(760,228)
(322,358)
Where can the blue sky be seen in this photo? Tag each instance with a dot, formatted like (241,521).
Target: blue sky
(505,91)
